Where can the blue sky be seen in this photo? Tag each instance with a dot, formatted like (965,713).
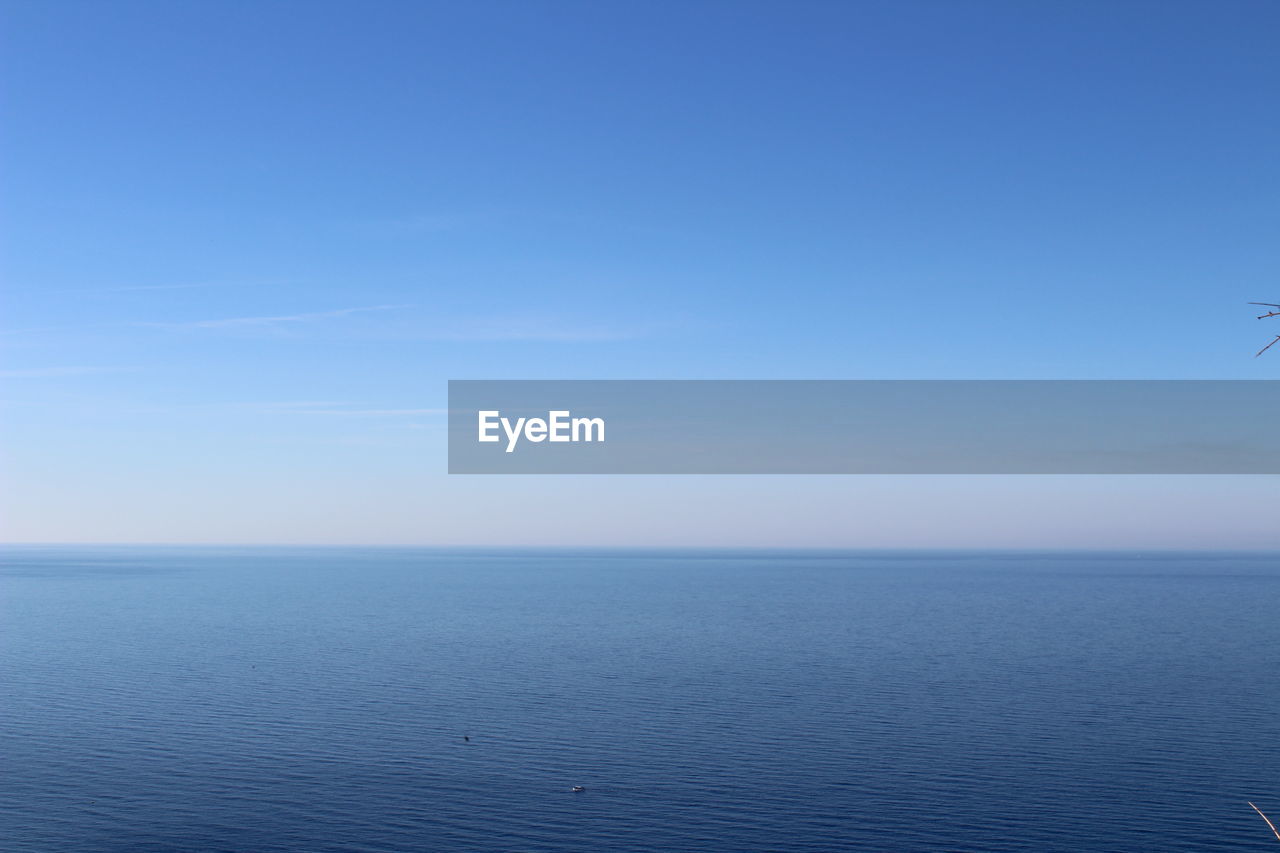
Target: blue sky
(245,245)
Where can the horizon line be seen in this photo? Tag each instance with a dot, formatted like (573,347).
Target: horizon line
(631,547)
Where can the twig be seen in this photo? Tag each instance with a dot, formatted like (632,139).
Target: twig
(1268,346)
(1275,831)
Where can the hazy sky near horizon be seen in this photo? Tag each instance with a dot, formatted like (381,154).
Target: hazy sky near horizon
(245,245)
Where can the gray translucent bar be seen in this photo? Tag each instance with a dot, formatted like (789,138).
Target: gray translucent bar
(865,427)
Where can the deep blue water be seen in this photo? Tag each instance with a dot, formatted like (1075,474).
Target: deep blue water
(217,699)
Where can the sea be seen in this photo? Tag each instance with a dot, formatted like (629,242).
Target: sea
(157,699)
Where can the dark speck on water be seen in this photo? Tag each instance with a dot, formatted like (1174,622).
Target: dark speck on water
(728,701)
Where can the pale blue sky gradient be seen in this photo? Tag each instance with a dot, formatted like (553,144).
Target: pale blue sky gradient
(245,245)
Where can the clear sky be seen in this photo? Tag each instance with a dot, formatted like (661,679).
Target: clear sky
(246,244)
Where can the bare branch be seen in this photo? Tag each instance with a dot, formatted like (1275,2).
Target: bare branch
(1263,317)
(1267,819)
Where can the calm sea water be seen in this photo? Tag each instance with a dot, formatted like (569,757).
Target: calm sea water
(255,700)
